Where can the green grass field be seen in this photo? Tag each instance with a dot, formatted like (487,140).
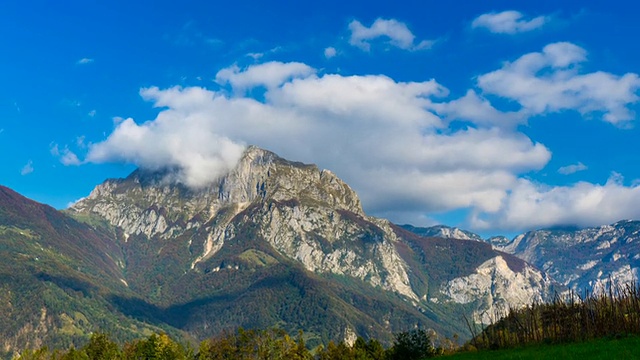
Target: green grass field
(625,348)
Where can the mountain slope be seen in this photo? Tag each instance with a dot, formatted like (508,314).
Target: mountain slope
(471,273)
(583,259)
(55,275)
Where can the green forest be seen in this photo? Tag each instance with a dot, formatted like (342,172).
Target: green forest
(243,344)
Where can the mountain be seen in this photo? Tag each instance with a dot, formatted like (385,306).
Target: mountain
(56,276)
(293,213)
(443,231)
(582,259)
(271,243)
(579,259)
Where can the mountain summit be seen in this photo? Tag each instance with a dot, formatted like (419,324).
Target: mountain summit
(154,202)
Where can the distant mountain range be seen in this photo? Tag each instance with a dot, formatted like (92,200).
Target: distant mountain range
(582,259)
(272,243)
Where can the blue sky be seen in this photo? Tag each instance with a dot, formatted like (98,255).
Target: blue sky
(496,116)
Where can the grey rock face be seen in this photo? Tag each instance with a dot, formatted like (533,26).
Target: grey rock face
(495,287)
(583,259)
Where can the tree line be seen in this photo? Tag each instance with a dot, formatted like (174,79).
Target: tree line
(271,344)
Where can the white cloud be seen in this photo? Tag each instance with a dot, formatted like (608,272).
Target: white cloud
(330,52)
(508,22)
(395,31)
(571,169)
(474,108)
(533,205)
(66,156)
(397,143)
(270,74)
(409,217)
(378,134)
(255,56)
(27,169)
(187,143)
(69,158)
(92,113)
(71,203)
(550,81)
(84,61)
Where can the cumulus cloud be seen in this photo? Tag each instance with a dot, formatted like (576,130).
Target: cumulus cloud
(270,74)
(379,134)
(394,142)
(397,33)
(27,169)
(536,205)
(551,81)
(330,52)
(84,61)
(571,169)
(508,22)
(199,154)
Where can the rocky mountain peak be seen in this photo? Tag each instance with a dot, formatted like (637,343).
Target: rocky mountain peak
(148,201)
(261,174)
(304,213)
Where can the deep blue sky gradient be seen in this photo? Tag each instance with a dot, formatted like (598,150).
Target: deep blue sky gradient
(46,97)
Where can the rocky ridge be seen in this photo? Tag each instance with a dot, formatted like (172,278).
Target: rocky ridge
(587,259)
(443,231)
(583,259)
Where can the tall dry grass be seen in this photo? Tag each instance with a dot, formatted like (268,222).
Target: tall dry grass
(611,311)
